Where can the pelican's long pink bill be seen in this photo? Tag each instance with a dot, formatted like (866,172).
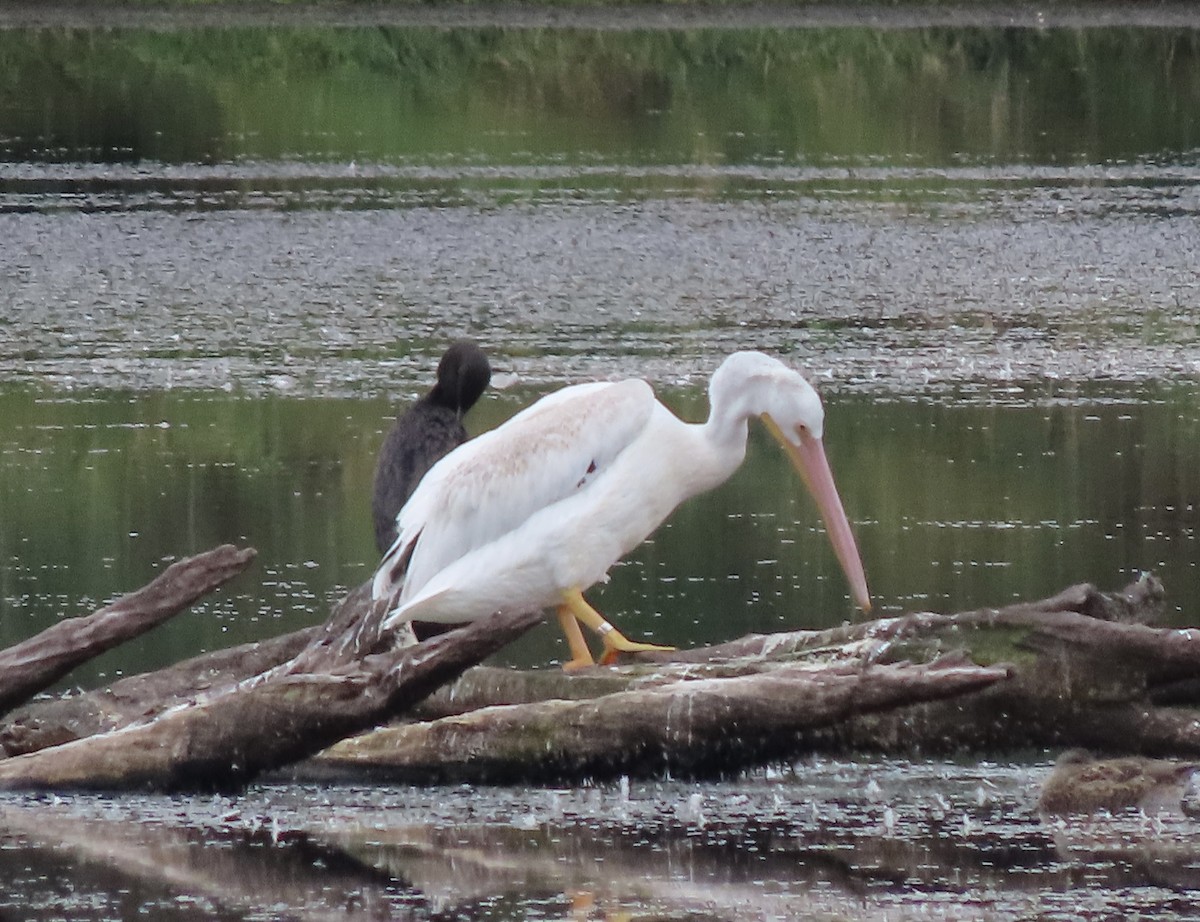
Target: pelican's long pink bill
(809,459)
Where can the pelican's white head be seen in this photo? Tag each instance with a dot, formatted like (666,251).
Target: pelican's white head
(753,384)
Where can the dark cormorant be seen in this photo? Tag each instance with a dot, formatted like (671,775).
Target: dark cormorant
(431,428)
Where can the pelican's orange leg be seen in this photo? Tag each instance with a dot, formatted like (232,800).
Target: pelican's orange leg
(581,656)
(614,641)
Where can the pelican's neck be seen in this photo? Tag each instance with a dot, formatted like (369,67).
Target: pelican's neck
(721,441)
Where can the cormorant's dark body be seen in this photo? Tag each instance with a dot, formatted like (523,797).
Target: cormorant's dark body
(430,429)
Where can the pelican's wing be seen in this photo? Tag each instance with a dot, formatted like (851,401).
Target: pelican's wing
(492,484)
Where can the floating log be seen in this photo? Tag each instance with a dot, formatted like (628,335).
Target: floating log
(1078,669)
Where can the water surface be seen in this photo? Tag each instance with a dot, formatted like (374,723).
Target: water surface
(825,840)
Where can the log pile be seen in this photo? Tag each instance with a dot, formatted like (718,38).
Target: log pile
(1079,668)
(217,722)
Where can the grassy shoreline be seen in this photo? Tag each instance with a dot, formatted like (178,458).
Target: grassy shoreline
(617,14)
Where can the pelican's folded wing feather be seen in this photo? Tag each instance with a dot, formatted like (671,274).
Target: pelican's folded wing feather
(489,486)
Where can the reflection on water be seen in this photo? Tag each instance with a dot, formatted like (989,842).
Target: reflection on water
(818,840)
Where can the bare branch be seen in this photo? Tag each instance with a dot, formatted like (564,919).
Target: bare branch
(35,664)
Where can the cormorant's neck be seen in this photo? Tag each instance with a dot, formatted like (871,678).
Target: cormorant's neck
(438,396)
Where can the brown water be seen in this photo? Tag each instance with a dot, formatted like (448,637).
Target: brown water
(229,255)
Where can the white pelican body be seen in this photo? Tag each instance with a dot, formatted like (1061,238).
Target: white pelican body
(536,511)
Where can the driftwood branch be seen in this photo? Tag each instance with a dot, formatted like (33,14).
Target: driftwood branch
(139,698)
(219,720)
(35,664)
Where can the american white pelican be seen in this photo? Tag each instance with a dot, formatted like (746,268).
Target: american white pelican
(536,511)
(430,429)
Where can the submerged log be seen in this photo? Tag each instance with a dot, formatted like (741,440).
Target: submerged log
(35,664)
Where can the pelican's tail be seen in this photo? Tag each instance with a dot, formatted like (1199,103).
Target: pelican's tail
(424,608)
(389,577)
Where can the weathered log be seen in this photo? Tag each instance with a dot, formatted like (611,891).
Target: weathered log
(1077,678)
(141,697)
(922,637)
(222,741)
(35,664)
(54,721)
(692,726)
